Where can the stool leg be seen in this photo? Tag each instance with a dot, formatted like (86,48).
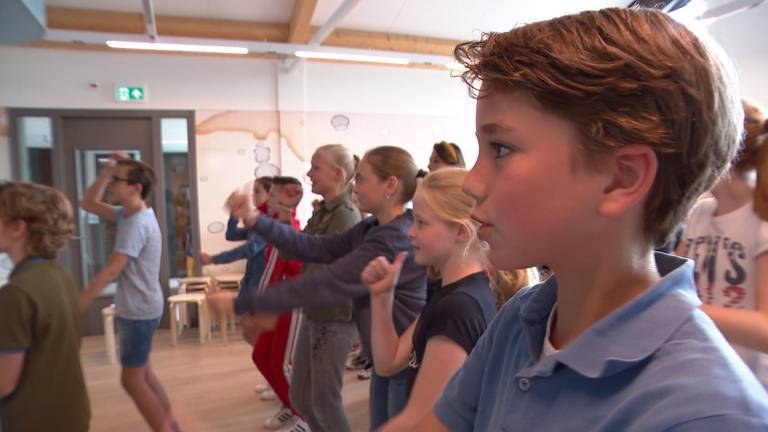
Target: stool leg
(223,325)
(172,314)
(109,337)
(202,320)
(209,324)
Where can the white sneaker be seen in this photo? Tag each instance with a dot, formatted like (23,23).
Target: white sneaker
(268,395)
(364,374)
(261,388)
(300,426)
(280,419)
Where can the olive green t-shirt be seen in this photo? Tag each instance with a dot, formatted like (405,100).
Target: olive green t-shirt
(337,215)
(40,316)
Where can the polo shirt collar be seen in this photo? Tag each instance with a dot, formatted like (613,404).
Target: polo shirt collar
(625,337)
(332,204)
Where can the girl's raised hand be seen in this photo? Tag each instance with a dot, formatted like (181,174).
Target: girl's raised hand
(380,276)
(239,206)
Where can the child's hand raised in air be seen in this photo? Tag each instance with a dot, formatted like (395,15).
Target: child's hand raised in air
(239,206)
(380,276)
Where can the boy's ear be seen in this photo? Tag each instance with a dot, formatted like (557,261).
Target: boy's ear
(631,172)
(18,228)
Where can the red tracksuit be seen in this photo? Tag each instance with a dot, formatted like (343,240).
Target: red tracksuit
(273,351)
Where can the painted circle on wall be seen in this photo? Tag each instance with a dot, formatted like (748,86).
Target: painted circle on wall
(216,227)
(267,170)
(340,122)
(262,153)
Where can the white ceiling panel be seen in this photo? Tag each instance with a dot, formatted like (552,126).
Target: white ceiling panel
(271,11)
(452,19)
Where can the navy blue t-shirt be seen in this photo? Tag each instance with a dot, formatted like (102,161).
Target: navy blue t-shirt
(460,311)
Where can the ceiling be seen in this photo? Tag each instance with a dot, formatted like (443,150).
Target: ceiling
(426,28)
(449,19)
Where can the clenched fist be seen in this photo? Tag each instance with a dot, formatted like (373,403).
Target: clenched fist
(380,276)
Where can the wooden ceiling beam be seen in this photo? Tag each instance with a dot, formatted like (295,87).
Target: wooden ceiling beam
(390,42)
(128,22)
(300,27)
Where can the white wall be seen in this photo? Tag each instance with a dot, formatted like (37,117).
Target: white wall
(360,88)
(46,78)
(743,37)
(61,79)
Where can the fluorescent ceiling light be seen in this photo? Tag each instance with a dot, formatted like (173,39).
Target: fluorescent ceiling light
(351,57)
(456,66)
(156,46)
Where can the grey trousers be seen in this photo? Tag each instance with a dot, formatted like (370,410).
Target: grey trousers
(318,373)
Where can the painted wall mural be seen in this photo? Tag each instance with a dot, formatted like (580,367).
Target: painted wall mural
(233,147)
(236,146)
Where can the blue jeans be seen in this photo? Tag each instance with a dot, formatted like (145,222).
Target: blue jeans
(388,397)
(135,339)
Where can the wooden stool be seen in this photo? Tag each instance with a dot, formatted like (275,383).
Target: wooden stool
(108,315)
(229,283)
(175,301)
(195,284)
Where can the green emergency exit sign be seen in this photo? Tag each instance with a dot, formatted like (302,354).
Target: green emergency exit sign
(130,94)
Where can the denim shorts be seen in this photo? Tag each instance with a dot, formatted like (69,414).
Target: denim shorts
(135,338)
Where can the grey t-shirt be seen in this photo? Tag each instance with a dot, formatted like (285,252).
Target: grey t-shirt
(139,294)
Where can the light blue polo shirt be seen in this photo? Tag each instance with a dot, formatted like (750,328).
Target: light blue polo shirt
(657,363)
(139,294)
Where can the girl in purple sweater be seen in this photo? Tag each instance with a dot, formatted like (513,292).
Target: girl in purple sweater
(385,180)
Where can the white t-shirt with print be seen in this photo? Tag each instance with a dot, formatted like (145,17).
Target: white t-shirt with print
(725,249)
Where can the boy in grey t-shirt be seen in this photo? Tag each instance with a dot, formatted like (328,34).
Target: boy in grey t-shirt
(135,264)
(139,296)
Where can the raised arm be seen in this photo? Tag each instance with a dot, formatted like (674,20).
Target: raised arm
(390,351)
(301,246)
(254,245)
(92,200)
(235,233)
(330,284)
(308,247)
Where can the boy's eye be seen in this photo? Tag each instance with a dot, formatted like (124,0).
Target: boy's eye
(500,150)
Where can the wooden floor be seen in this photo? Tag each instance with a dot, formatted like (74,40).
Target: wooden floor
(211,387)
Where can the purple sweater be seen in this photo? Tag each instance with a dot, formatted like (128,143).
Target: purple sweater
(346,253)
